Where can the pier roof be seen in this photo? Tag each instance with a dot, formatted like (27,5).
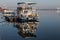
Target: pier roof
(29,3)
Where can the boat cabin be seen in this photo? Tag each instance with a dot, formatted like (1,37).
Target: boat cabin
(8,13)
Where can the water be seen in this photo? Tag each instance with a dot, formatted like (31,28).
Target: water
(48,28)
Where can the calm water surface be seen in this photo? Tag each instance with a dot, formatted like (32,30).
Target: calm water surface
(48,28)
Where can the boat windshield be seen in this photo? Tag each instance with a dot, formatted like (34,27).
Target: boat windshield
(9,13)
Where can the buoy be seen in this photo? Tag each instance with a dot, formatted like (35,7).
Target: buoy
(0,9)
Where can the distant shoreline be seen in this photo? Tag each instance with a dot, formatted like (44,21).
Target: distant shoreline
(48,9)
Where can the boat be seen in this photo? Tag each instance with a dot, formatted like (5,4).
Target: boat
(8,14)
(26,11)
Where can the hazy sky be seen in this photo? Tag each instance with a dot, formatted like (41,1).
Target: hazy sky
(40,3)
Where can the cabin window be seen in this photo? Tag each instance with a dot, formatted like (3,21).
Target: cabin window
(25,11)
(19,8)
(9,12)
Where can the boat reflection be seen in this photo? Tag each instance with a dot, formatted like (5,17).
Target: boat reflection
(27,29)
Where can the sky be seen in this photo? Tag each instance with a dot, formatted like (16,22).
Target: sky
(40,3)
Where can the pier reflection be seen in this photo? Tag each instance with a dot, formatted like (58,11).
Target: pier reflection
(27,29)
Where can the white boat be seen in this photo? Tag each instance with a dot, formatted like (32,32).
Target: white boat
(8,14)
(27,11)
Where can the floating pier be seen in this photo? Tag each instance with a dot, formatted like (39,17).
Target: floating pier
(25,12)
